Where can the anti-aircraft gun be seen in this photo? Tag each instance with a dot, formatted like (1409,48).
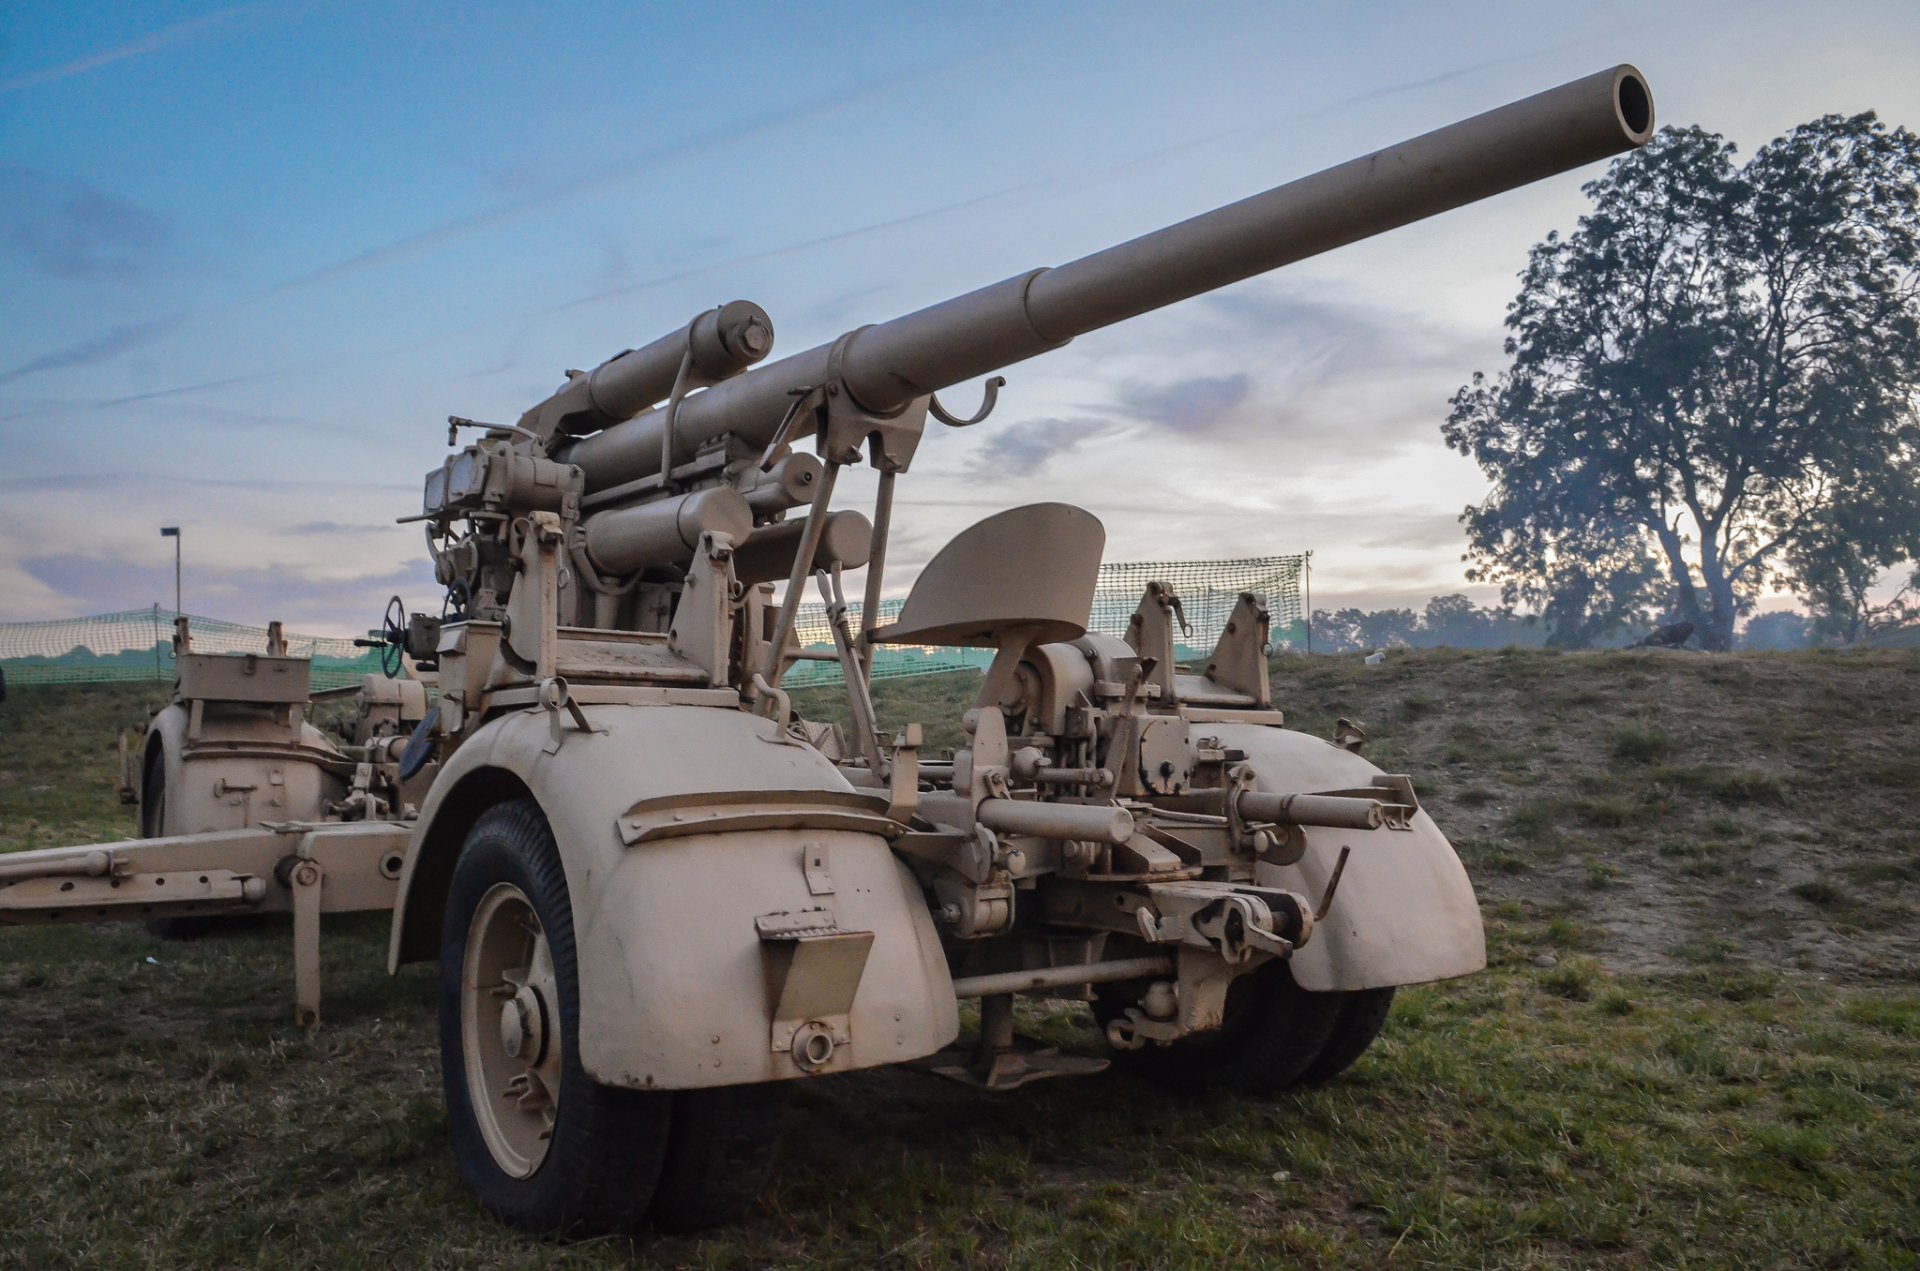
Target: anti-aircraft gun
(654,892)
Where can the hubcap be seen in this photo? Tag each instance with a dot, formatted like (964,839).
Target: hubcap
(509,1030)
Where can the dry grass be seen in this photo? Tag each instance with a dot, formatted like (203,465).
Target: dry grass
(1673,1089)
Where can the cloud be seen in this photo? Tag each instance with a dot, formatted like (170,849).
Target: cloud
(151,480)
(121,52)
(1410,530)
(98,348)
(123,339)
(308,528)
(774,253)
(178,389)
(1023,449)
(69,229)
(305,599)
(1330,378)
(1474,71)
(1203,404)
(617,171)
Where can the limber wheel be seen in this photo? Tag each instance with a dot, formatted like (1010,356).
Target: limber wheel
(1276,1035)
(541,1144)
(153,795)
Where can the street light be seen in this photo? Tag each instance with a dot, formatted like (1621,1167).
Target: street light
(173,532)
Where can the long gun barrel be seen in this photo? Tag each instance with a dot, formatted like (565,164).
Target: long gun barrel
(887,366)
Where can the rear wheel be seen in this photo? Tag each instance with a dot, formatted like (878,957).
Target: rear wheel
(1275,1035)
(542,1145)
(1361,1018)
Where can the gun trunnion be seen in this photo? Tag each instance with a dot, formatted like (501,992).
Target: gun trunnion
(652,888)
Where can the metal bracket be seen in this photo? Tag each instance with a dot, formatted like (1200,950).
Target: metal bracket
(988,401)
(817,971)
(903,777)
(815,866)
(557,700)
(1232,920)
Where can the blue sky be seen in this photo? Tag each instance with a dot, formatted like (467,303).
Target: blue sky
(252,255)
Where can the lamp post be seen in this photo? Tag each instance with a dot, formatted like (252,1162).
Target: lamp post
(173,532)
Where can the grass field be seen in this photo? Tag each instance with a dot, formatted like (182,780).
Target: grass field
(1698,1043)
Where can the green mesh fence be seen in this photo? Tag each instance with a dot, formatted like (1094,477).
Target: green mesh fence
(138,645)
(1208,591)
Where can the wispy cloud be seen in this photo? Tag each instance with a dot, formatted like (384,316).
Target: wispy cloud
(788,249)
(122,52)
(1024,448)
(97,348)
(310,528)
(60,481)
(307,600)
(1202,404)
(620,170)
(123,339)
(69,229)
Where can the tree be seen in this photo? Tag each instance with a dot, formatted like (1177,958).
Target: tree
(1712,386)
(1448,621)
(1346,629)
(1781,629)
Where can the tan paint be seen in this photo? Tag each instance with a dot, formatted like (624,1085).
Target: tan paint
(669,954)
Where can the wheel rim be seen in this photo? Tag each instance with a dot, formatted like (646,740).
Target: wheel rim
(510,1030)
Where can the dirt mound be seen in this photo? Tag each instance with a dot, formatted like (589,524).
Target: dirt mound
(1689,808)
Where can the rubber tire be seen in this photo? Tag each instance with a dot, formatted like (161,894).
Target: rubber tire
(1273,1035)
(608,1144)
(1361,1018)
(153,795)
(720,1155)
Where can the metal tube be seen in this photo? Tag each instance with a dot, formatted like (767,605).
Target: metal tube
(876,569)
(664,532)
(1339,811)
(797,579)
(889,365)
(94,864)
(1091,822)
(716,345)
(1059,977)
(788,484)
(768,554)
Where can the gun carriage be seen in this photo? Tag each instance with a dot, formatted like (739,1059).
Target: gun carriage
(655,893)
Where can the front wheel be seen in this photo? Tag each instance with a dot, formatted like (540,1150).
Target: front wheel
(1275,1035)
(540,1143)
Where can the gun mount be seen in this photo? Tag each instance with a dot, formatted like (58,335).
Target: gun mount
(639,870)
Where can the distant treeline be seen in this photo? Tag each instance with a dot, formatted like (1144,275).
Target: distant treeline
(1457,623)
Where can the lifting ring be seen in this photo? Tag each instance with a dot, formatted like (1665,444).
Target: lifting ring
(987,403)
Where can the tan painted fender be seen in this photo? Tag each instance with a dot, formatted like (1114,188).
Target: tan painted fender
(675,983)
(1404,912)
(209,790)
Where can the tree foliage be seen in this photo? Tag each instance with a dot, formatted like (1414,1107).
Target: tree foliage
(1450,621)
(1711,389)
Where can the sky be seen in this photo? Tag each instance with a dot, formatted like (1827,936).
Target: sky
(252,256)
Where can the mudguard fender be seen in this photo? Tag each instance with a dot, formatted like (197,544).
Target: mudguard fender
(1404,912)
(682,960)
(209,789)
